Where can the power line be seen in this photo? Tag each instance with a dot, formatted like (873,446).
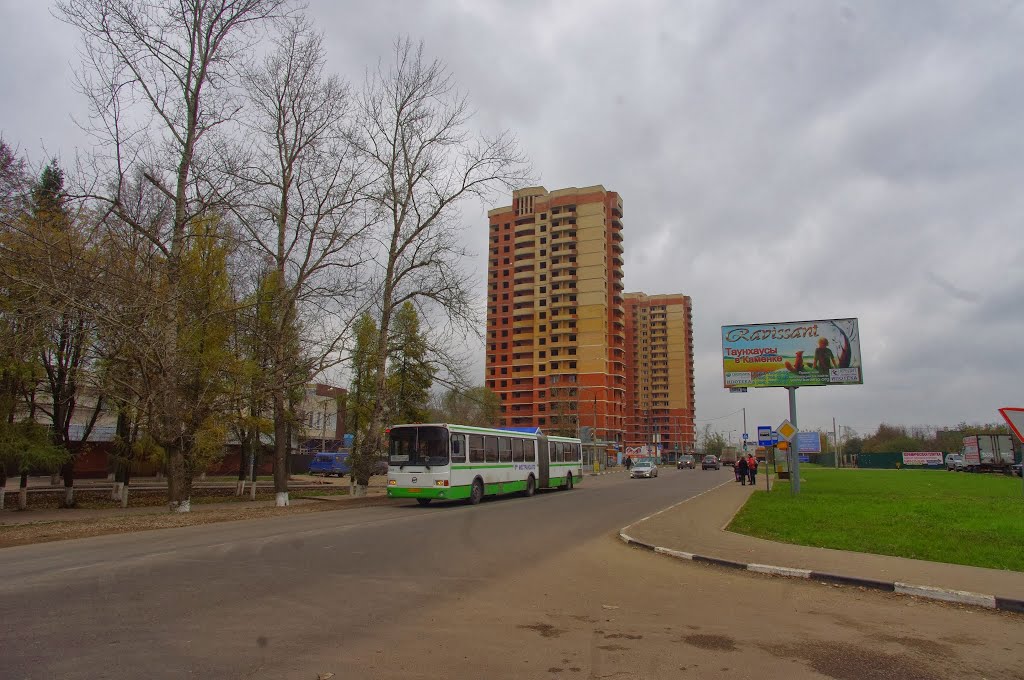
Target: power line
(708,420)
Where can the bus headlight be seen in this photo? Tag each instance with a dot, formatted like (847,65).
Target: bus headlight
(441,482)
(392,482)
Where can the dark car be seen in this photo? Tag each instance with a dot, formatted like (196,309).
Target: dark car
(711,463)
(686,461)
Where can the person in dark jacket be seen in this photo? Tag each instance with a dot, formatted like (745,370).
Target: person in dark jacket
(628,463)
(741,470)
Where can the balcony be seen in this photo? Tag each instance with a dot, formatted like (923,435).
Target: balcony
(524,324)
(523,287)
(566,276)
(617,247)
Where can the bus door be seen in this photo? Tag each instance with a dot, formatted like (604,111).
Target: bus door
(543,461)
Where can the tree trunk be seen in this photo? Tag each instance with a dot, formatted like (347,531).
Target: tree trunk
(3,484)
(23,491)
(179,479)
(3,492)
(280,451)
(126,479)
(67,471)
(242,458)
(359,491)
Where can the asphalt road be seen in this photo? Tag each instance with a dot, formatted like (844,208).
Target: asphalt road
(514,588)
(257,598)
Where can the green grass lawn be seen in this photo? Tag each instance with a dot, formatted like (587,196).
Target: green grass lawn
(975,519)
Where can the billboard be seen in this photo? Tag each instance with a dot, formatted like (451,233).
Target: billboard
(792,354)
(922,458)
(810,442)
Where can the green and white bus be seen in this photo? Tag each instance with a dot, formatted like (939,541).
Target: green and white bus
(449,462)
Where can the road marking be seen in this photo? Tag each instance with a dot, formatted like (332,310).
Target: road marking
(685,500)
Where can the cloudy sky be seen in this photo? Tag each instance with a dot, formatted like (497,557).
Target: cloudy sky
(778,161)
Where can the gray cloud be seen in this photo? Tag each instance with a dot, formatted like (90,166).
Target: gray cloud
(777,161)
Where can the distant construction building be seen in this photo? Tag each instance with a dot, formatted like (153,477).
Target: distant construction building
(556,326)
(560,352)
(659,372)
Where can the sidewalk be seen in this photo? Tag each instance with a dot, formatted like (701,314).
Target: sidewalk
(694,530)
(10,517)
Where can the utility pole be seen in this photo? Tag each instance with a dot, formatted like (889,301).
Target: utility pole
(835,443)
(794,447)
(744,428)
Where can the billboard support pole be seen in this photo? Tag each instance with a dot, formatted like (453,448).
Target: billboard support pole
(794,447)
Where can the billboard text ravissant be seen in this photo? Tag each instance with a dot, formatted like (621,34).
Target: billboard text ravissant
(792,354)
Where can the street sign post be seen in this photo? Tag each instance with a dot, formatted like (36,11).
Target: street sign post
(764,435)
(786,430)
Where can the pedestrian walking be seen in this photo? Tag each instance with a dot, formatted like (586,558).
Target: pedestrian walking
(741,470)
(752,468)
(628,463)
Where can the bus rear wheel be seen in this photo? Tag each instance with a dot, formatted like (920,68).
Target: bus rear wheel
(531,486)
(568,482)
(476,494)
(423,501)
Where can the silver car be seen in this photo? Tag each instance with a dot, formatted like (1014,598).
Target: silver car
(644,468)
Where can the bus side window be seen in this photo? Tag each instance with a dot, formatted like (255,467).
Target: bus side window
(476,448)
(518,452)
(575,452)
(530,451)
(555,451)
(458,448)
(504,450)
(491,449)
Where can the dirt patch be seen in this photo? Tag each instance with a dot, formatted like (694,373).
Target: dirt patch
(612,648)
(584,619)
(44,532)
(720,643)
(844,661)
(623,636)
(545,629)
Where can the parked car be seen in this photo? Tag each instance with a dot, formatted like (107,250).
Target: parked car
(644,467)
(686,461)
(328,464)
(710,462)
(954,462)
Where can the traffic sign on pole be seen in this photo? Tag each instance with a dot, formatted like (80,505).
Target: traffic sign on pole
(786,430)
(764,435)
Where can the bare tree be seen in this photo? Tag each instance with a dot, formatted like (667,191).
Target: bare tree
(301,217)
(423,161)
(161,79)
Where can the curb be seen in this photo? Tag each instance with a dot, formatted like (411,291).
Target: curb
(927,592)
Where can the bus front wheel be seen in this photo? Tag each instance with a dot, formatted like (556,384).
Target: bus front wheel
(531,486)
(476,494)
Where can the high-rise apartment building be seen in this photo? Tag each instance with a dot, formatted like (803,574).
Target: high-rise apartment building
(556,321)
(659,372)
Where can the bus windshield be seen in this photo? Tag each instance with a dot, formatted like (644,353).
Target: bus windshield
(418,446)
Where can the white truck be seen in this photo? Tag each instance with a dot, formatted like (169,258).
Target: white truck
(988,452)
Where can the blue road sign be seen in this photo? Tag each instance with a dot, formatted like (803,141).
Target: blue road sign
(745,436)
(764,435)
